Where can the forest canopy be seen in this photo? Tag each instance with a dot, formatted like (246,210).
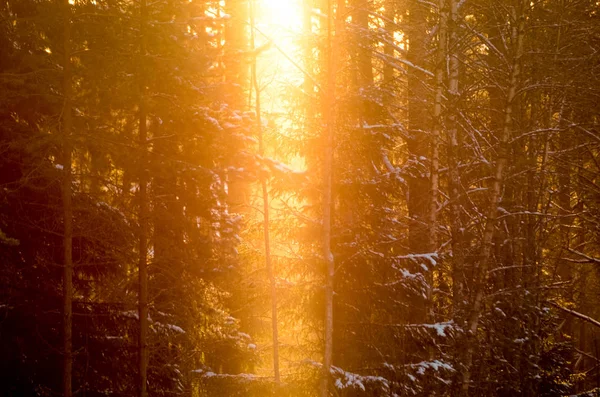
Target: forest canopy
(342,198)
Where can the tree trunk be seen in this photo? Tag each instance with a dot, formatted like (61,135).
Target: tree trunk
(388,49)
(480,276)
(265,198)
(67,124)
(363,69)
(143,215)
(419,144)
(438,123)
(329,117)
(435,140)
(458,280)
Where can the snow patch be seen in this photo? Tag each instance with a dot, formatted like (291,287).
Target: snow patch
(345,379)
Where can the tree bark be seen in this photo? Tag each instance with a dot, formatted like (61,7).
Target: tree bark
(480,277)
(363,73)
(329,118)
(143,214)
(458,280)
(419,141)
(388,49)
(438,123)
(67,125)
(419,149)
(435,139)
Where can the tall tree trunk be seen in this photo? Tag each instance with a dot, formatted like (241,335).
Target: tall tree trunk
(565,184)
(438,123)
(418,142)
(363,69)
(480,276)
(435,140)
(235,48)
(388,49)
(266,209)
(453,161)
(67,125)
(329,117)
(143,214)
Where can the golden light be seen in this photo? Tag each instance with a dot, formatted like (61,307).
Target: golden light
(285,14)
(280,23)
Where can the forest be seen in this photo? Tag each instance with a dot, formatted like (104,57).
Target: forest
(328,198)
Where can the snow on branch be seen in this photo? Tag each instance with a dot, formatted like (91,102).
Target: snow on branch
(345,379)
(412,65)
(430,256)
(244,378)
(576,314)
(435,365)
(394,61)
(422,367)
(588,259)
(440,328)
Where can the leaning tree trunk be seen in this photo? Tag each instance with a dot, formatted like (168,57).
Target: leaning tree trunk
(67,124)
(480,273)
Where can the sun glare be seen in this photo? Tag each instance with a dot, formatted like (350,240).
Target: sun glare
(284,14)
(279,22)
